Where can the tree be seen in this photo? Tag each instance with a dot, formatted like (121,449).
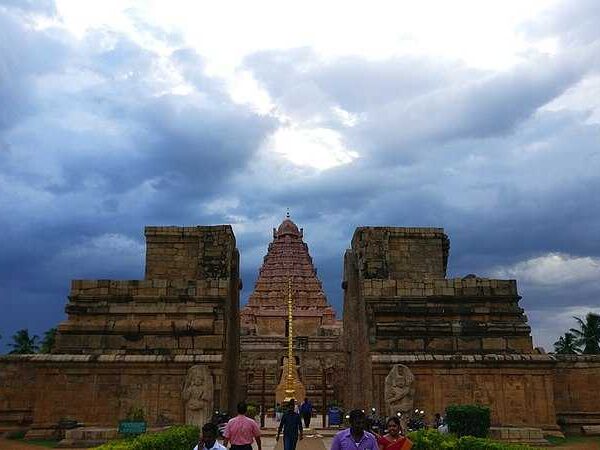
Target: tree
(566,345)
(47,343)
(588,335)
(23,343)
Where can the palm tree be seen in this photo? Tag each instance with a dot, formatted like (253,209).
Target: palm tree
(588,334)
(48,342)
(566,345)
(23,343)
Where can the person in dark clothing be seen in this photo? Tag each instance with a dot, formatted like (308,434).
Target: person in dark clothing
(291,426)
(306,409)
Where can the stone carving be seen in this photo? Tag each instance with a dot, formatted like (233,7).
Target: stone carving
(198,395)
(399,390)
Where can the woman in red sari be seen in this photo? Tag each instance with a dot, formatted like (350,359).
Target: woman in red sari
(393,440)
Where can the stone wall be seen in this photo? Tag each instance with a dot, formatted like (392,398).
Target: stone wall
(406,304)
(202,252)
(401,253)
(98,390)
(135,339)
(577,391)
(145,317)
(518,388)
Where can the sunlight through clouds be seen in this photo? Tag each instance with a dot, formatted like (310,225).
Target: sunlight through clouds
(320,148)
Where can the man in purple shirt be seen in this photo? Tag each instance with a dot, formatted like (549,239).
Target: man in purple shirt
(355,437)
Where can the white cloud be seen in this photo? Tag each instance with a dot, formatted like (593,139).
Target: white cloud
(552,269)
(320,148)
(482,35)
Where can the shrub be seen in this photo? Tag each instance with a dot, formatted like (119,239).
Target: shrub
(468,420)
(433,440)
(175,438)
(135,415)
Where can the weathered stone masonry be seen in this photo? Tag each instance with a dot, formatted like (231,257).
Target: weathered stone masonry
(130,342)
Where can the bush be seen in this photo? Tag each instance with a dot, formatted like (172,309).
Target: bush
(433,440)
(135,415)
(175,438)
(468,420)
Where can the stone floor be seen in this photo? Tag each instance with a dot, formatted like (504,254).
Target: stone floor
(310,442)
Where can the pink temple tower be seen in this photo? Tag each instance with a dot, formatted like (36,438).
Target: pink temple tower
(266,312)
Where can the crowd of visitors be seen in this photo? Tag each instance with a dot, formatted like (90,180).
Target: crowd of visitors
(364,433)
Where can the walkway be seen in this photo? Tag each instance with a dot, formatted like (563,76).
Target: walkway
(308,443)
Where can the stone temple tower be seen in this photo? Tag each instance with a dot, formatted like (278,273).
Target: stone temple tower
(266,312)
(265,325)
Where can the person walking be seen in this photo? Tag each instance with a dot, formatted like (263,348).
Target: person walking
(208,440)
(356,437)
(291,426)
(242,430)
(306,409)
(394,440)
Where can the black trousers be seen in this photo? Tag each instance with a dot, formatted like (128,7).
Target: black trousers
(241,447)
(306,417)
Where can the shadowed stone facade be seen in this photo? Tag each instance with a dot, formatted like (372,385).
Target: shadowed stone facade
(466,340)
(130,343)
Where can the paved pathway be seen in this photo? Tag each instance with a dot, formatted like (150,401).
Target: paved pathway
(308,443)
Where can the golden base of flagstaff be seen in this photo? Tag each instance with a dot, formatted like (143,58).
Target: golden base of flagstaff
(286,389)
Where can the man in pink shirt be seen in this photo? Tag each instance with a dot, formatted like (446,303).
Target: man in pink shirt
(241,431)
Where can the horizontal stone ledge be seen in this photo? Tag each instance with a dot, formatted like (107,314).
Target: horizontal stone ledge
(64,358)
(476,358)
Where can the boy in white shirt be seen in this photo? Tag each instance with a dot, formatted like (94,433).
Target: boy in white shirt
(208,439)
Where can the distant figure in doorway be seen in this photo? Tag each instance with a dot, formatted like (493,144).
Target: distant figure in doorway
(291,426)
(393,439)
(306,409)
(356,437)
(242,430)
(208,439)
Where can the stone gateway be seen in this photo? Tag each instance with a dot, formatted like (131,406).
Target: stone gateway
(175,345)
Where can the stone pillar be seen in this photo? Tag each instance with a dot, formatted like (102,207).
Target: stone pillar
(359,391)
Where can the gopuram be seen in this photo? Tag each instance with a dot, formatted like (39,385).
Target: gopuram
(318,354)
(177,346)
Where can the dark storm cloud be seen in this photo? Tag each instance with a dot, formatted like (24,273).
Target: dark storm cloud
(95,144)
(442,145)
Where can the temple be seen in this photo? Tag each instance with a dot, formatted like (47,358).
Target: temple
(266,311)
(264,324)
(177,346)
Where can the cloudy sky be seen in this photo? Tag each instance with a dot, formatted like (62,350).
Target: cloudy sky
(479,117)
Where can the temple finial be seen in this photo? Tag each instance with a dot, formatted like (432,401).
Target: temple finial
(287,214)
